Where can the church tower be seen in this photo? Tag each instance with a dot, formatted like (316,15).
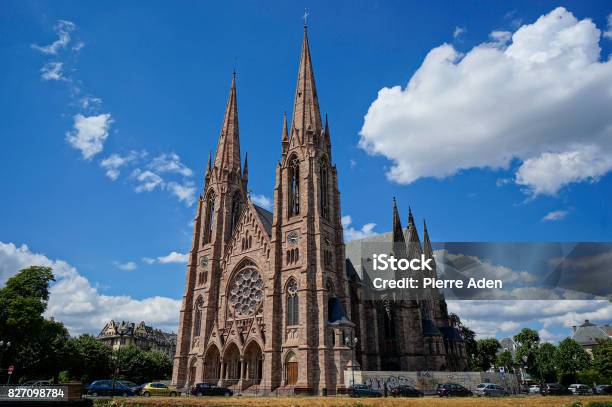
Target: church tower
(219,208)
(309,250)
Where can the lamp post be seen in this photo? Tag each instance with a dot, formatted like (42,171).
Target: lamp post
(4,346)
(351,343)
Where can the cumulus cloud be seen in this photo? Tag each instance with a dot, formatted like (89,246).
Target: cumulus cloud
(262,200)
(174,257)
(89,133)
(542,100)
(147,180)
(75,302)
(555,215)
(185,192)
(350,233)
(52,71)
(63,29)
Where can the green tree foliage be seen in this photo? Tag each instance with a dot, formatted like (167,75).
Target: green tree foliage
(139,366)
(38,345)
(545,360)
(571,357)
(528,341)
(602,358)
(486,352)
(89,359)
(469,339)
(504,359)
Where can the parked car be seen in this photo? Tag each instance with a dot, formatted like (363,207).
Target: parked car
(108,388)
(603,389)
(406,391)
(490,389)
(128,383)
(159,389)
(578,388)
(361,390)
(207,389)
(554,389)
(534,389)
(138,389)
(453,390)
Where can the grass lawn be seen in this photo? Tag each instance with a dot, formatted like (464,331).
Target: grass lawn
(357,402)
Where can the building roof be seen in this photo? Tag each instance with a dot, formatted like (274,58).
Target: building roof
(266,218)
(451,333)
(588,333)
(430,328)
(130,329)
(336,312)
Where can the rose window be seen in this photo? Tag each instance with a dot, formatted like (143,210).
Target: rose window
(246,292)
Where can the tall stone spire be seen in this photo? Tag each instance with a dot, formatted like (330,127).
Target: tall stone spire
(398,233)
(285,134)
(306,113)
(414,244)
(427,250)
(228,148)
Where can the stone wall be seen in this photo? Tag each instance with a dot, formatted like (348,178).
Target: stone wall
(428,382)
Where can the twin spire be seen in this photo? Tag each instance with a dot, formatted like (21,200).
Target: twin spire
(306,115)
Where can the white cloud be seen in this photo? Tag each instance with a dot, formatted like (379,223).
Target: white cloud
(128,266)
(458,31)
(608,33)
(543,99)
(63,29)
(555,215)
(90,103)
(184,192)
(75,302)
(350,233)
(174,257)
(52,71)
(262,200)
(500,38)
(113,162)
(147,180)
(148,260)
(89,133)
(169,163)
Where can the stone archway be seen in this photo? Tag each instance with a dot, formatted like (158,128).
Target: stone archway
(212,366)
(230,367)
(252,364)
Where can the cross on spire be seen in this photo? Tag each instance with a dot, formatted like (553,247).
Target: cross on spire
(305,17)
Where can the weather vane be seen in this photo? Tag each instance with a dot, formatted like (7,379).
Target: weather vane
(305,17)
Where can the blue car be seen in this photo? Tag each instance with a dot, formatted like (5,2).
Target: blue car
(108,388)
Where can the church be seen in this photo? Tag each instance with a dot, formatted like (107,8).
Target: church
(272,301)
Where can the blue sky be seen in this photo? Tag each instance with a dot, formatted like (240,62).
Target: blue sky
(162,72)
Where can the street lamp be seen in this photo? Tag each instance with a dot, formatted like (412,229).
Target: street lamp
(4,346)
(351,343)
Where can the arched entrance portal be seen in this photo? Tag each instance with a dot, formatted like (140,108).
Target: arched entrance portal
(231,365)
(291,369)
(212,366)
(253,364)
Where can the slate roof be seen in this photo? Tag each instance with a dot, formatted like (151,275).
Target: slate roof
(335,312)
(451,333)
(588,334)
(430,328)
(266,218)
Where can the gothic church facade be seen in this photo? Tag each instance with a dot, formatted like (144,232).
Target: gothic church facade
(269,298)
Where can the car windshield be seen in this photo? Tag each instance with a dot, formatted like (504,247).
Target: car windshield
(481,386)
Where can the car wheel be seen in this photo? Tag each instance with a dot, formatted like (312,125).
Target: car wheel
(172,394)
(94,394)
(146,394)
(124,394)
(227,394)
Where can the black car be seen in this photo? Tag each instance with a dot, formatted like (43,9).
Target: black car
(207,389)
(361,390)
(406,391)
(108,388)
(603,389)
(453,390)
(554,389)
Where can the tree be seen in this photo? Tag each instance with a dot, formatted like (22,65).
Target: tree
(469,339)
(571,358)
(602,358)
(545,360)
(504,359)
(139,366)
(527,341)
(487,350)
(38,345)
(89,359)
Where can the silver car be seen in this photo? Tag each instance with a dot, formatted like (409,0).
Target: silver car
(490,389)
